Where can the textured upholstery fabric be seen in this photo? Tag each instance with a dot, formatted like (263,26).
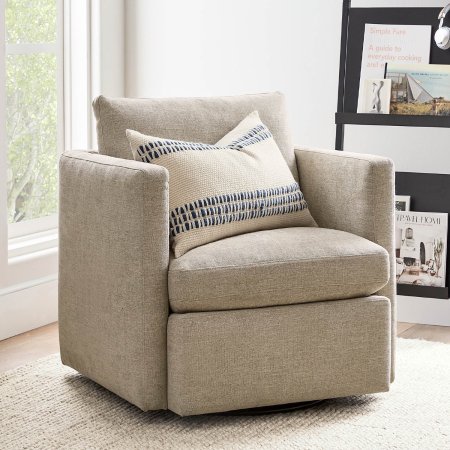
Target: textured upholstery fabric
(225,360)
(218,191)
(205,120)
(353,192)
(115,326)
(112,314)
(276,267)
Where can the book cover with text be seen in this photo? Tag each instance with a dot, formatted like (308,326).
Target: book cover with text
(406,44)
(421,248)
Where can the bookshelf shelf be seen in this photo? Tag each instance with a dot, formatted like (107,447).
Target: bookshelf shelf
(346,118)
(423,291)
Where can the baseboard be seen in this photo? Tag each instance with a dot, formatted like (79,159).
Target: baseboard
(25,309)
(427,311)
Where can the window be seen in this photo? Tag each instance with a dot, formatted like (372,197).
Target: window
(46,50)
(45,64)
(34,119)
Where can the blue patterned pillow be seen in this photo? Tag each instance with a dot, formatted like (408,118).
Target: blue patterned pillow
(239,185)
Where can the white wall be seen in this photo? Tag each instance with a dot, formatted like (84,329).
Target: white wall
(214,47)
(108,42)
(107,54)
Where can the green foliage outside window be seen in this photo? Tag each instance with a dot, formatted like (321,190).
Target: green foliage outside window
(31,111)
(30,21)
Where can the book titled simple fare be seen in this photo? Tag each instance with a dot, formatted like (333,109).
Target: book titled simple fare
(401,44)
(421,248)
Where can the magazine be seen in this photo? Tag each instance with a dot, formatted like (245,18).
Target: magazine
(421,248)
(419,89)
(394,44)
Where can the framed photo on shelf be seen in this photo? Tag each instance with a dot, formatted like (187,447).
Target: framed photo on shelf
(377,96)
(402,202)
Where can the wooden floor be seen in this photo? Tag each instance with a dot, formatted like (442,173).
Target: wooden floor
(41,342)
(28,347)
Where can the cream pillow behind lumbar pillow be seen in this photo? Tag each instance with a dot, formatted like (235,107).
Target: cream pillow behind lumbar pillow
(239,185)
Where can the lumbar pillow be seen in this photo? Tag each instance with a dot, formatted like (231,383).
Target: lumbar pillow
(239,185)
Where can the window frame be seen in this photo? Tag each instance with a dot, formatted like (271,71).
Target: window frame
(50,222)
(29,249)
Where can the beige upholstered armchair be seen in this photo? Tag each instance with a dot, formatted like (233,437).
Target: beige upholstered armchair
(265,318)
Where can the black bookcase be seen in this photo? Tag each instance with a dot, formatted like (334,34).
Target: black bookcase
(429,192)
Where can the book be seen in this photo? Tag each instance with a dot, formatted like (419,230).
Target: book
(421,248)
(419,89)
(393,44)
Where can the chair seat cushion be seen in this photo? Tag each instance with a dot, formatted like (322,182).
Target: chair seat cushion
(276,267)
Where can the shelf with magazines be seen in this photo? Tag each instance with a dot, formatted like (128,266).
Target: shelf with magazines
(429,192)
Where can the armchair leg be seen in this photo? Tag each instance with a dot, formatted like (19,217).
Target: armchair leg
(263,410)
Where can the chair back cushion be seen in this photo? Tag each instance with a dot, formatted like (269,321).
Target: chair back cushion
(201,119)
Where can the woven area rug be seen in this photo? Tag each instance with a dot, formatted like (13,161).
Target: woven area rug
(45,405)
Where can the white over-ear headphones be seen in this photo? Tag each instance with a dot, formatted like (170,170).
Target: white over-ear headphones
(442,36)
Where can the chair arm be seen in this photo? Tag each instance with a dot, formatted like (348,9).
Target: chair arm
(113,263)
(353,192)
